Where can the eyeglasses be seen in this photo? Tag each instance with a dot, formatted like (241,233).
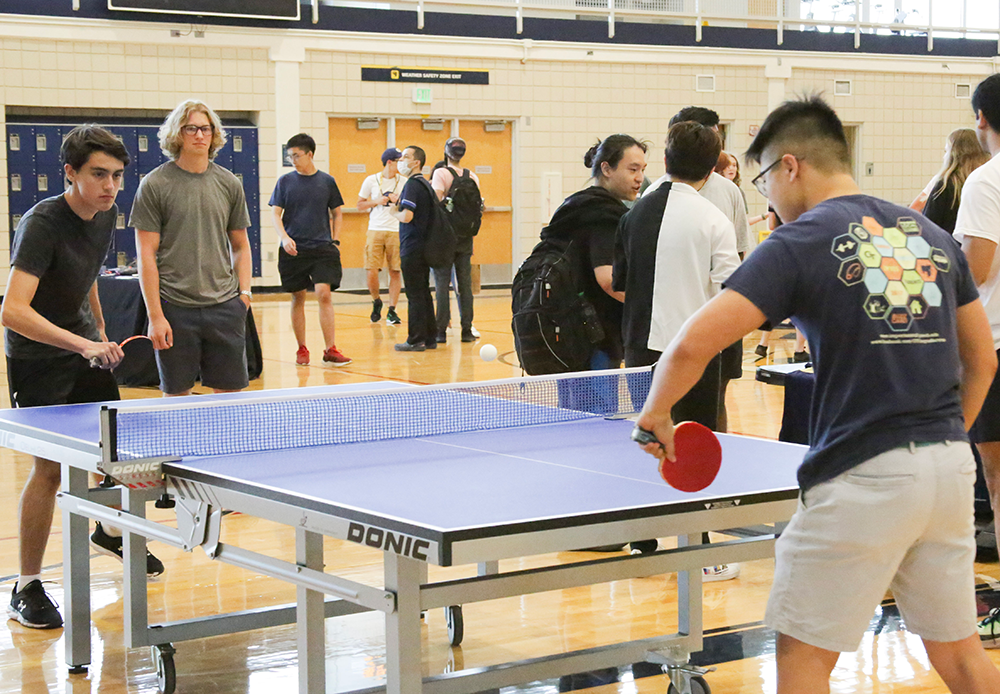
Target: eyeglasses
(194,129)
(758,181)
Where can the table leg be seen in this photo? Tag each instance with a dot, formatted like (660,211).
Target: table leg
(403,662)
(309,616)
(134,573)
(689,599)
(76,574)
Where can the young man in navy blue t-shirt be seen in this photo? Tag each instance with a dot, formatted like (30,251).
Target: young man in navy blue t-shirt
(307,214)
(903,359)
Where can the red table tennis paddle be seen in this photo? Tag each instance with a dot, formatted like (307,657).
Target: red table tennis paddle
(96,363)
(698,453)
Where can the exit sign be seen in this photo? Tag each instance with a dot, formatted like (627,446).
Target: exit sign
(421,95)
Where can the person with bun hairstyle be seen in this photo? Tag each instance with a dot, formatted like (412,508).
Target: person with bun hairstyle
(589,218)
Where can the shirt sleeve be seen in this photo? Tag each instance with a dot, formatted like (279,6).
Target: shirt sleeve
(725,258)
(441,180)
(740,223)
(965,291)
(278,194)
(619,268)
(410,195)
(336,199)
(979,212)
(33,246)
(239,215)
(366,188)
(768,278)
(146,208)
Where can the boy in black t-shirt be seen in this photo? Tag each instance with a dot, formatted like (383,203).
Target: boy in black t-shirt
(903,358)
(54,328)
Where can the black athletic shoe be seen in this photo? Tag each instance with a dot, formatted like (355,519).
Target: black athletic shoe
(112,547)
(411,347)
(390,316)
(643,546)
(801,357)
(376,310)
(442,338)
(468,336)
(33,607)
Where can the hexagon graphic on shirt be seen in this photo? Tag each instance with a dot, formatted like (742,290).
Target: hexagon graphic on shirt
(899,319)
(918,246)
(891,269)
(926,269)
(918,306)
(859,232)
(905,258)
(932,294)
(873,227)
(851,272)
(896,293)
(940,259)
(913,282)
(895,237)
(845,246)
(883,246)
(876,306)
(869,256)
(875,280)
(908,225)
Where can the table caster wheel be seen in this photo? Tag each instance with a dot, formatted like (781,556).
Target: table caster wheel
(456,625)
(166,675)
(698,686)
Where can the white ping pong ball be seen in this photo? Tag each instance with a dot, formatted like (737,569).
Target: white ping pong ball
(488,352)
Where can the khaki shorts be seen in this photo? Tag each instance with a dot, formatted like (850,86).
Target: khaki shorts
(902,520)
(382,250)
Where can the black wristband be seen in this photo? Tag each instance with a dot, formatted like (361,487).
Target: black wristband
(336,242)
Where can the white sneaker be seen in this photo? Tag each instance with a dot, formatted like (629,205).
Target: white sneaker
(722,572)
(475,333)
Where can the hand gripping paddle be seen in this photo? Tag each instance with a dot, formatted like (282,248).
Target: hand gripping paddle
(698,452)
(96,363)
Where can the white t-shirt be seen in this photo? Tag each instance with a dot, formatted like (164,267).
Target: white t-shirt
(695,254)
(379,218)
(726,195)
(979,217)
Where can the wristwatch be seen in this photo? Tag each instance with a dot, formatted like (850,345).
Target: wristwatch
(247,293)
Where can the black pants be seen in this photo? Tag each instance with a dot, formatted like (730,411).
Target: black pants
(463,290)
(700,404)
(420,310)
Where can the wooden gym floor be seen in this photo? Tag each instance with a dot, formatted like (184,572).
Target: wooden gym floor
(889,659)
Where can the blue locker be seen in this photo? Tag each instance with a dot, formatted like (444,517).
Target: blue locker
(242,148)
(123,248)
(49,176)
(21,177)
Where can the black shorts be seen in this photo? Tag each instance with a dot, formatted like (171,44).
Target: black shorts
(732,361)
(62,380)
(209,342)
(311,266)
(987,426)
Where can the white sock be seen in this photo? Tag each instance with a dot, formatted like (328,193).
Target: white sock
(111,531)
(25,580)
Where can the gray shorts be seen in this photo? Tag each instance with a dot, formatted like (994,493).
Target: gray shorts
(903,521)
(210,341)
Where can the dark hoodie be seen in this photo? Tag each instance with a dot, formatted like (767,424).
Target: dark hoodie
(589,218)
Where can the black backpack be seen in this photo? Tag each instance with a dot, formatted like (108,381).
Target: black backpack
(464,204)
(555,328)
(439,246)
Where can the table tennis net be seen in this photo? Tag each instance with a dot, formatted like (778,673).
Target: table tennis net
(253,426)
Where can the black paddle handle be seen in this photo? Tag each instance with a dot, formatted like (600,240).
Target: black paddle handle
(644,436)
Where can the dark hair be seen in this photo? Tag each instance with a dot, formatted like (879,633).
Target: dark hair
(611,151)
(303,142)
(704,116)
(692,150)
(807,128)
(84,140)
(986,98)
(419,154)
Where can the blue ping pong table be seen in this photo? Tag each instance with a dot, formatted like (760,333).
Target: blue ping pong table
(463,474)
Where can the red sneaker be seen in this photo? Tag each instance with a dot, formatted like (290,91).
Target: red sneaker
(302,356)
(335,357)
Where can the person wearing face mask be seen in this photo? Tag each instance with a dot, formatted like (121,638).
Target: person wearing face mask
(589,219)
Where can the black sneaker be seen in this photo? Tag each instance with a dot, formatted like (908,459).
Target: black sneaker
(376,310)
(33,607)
(112,547)
(410,347)
(467,336)
(442,337)
(391,318)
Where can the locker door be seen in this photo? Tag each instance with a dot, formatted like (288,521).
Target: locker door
(488,153)
(123,250)
(21,180)
(146,157)
(354,156)
(49,176)
(242,146)
(224,157)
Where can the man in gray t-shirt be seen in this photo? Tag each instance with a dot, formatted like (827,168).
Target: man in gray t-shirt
(190,217)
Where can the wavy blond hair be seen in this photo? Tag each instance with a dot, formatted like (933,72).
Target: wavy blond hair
(964,155)
(171,136)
